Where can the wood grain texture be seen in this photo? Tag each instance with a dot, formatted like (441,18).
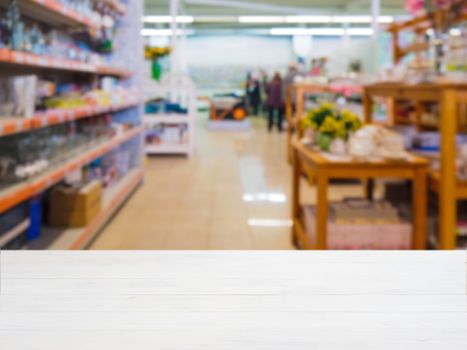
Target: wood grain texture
(233,300)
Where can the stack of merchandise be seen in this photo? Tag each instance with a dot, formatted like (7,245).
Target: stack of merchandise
(23,156)
(20,34)
(167,134)
(75,206)
(360,224)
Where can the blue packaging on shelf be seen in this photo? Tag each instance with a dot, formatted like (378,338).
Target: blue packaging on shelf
(35,215)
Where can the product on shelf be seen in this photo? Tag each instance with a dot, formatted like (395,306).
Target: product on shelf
(14,225)
(23,156)
(375,142)
(162,106)
(17,96)
(30,96)
(75,206)
(20,34)
(166,134)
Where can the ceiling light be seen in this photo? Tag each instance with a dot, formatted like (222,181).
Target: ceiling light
(351,19)
(360,31)
(361,19)
(168,19)
(322,31)
(308,19)
(308,31)
(385,19)
(163,32)
(261,19)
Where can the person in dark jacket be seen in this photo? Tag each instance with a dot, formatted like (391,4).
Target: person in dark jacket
(254,95)
(275,102)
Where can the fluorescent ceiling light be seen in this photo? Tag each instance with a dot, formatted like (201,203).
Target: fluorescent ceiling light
(261,19)
(360,31)
(168,19)
(322,31)
(308,31)
(163,32)
(308,19)
(351,19)
(361,19)
(386,19)
(269,223)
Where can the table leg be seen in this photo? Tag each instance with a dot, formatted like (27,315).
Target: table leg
(322,208)
(370,189)
(295,195)
(419,188)
(448,177)
(368,107)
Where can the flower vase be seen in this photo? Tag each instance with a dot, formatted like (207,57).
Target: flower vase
(324,141)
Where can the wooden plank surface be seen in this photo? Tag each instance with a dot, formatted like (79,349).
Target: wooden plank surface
(233,300)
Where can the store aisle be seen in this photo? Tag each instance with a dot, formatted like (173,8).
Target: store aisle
(233,194)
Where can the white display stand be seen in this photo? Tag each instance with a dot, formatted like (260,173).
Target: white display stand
(179,90)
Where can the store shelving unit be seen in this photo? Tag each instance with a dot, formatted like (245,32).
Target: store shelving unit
(16,194)
(24,59)
(183,93)
(450,96)
(419,26)
(10,126)
(56,15)
(79,238)
(53,12)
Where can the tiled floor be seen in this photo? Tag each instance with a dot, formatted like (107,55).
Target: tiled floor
(233,194)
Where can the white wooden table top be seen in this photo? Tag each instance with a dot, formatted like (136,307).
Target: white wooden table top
(233,300)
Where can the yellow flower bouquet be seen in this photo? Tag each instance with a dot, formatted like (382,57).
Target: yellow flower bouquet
(331,123)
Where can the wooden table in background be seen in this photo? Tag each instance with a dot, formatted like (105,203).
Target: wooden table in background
(321,170)
(452,98)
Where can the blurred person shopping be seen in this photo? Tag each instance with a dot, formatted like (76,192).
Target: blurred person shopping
(275,102)
(254,95)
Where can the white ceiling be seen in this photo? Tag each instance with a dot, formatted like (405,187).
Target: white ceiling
(273,7)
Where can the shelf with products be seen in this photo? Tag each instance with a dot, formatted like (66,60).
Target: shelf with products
(10,126)
(24,59)
(66,106)
(18,193)
(79,238)
(35,42)
(55,13)
(452,99)
(169,119)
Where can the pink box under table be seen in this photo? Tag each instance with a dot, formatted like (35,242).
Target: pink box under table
(397,236)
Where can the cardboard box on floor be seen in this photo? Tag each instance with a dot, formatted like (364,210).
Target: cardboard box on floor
(74,207)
